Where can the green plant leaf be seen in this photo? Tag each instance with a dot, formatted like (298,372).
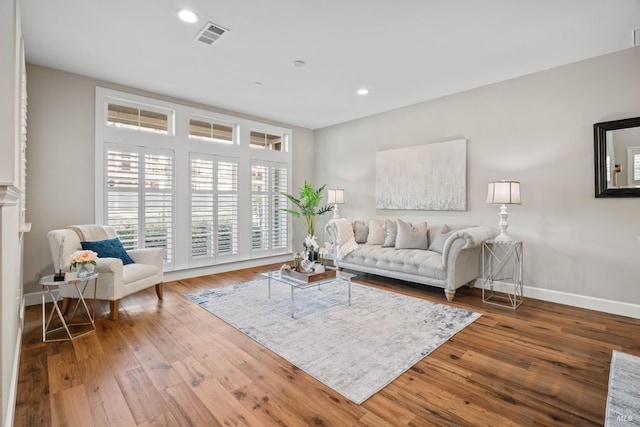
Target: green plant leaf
(307,205)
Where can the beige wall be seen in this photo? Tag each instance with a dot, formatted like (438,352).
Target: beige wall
(61,158)
(536,129)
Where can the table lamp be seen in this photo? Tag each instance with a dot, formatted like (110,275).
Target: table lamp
(503,193)
(335,197)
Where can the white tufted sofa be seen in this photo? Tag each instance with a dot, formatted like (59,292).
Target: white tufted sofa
(459,263)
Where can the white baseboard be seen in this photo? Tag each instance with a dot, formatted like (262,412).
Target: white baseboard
(582,301)
(34,298)
(170,276)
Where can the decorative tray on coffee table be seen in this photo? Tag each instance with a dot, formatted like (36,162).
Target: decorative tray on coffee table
(309,277)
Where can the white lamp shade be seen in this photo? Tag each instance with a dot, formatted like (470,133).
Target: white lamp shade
(504,193)
(335,196)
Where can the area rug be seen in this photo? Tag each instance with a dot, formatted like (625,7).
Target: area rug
(623,398)
(355,350)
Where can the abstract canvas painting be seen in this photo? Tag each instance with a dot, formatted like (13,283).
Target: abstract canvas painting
(426,177)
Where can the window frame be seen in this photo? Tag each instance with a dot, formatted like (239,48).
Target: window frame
(179,141)
(632,153)
(213,121)
(143,191)
(216,256)
(171,119)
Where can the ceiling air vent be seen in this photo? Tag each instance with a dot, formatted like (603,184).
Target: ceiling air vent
(210,33)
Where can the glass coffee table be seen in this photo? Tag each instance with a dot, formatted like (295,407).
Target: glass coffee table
(299,284)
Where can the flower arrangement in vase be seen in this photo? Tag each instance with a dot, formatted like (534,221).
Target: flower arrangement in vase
(84,262)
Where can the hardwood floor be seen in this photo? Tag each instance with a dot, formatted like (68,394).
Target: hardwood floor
(172,363)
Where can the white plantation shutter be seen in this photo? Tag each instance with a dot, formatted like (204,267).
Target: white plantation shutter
(214,206)
(123,194)
(636,167)
(269,224)
(140,196)
(227,207)
(259,208)
(202,208)
(280,219)
(158,203)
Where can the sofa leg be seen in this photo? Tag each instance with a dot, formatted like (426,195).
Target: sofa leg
(114,306)
(472,284)
(159,290)
(449,293)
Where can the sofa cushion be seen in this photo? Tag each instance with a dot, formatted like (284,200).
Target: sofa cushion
(132,273)
(361,231)
(391,231)
(377,233)
(408,261)
(411,236)
(438,242)
(110,248)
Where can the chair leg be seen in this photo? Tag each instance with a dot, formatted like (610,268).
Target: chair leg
(114,306)
(159,290)
(65,305)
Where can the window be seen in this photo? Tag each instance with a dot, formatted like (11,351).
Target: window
(214,206)
(633,154)
(136,118)
(267,141)
(191,181)
(210,131)
(139,197)
(269,224)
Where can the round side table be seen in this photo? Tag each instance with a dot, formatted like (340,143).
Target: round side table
(54,289)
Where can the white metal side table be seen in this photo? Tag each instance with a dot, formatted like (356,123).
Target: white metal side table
(502,273)
(53,289)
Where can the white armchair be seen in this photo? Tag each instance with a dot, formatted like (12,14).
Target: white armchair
(115,280)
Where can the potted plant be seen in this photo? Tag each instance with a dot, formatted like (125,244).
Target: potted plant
(308,206)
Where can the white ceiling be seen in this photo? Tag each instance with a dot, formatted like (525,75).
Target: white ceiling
(404,52)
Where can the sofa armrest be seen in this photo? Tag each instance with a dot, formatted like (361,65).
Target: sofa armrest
(466,238)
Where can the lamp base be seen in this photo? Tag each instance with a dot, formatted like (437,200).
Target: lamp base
(335,212)
(502,237)
(503,224)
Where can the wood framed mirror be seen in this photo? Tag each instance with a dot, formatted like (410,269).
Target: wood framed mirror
(617,158)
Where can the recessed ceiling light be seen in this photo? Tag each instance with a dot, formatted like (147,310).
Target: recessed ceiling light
(187,16)
(363,91)
(299,63)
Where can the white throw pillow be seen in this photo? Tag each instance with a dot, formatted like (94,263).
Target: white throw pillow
(411,236)
(377,233)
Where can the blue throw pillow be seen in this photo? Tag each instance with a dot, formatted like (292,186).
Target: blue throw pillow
(111,248)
